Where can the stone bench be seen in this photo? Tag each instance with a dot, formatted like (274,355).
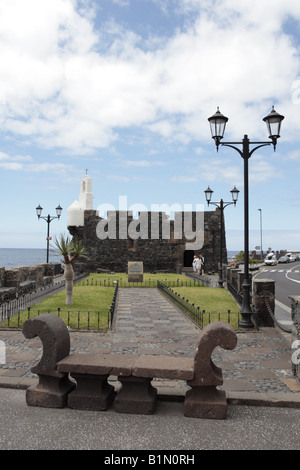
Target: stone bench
(80,380)
(135,373)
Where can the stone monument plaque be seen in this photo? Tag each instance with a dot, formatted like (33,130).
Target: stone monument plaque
(135,271)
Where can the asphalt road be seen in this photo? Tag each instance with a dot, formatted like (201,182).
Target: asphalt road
(287,280)
(117,434)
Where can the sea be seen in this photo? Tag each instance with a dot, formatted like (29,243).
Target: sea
(13,257)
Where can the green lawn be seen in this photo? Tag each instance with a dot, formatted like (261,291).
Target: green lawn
(210,299)
(93,297)
(93,303)
(149,280)
(215,301)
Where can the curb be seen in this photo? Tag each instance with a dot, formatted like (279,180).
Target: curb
(167,394)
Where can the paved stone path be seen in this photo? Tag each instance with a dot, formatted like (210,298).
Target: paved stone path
(146,322)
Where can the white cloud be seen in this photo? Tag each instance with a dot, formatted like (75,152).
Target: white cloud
(26,164)
(121,3)
(141,163)
(229,171)
(67,85)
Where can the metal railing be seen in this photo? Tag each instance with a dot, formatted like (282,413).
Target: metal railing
(83,320)
(235,293)
(114,304)
(146,283)
(196,314)
(14,306)
(12,313)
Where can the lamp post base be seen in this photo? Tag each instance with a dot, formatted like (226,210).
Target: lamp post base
(246,323)
(246,310)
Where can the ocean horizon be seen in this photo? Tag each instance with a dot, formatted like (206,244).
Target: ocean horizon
(14,257)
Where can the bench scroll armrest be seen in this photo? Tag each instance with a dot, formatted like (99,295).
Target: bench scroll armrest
(215,334)
(55,338)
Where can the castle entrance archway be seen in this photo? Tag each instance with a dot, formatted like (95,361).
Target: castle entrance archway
(188,257)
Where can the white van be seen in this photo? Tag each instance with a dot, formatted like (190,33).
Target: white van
(271,260)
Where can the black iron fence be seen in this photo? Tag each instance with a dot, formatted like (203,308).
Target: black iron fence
(146,283)
(114,304)
(199,316)
(19,304)
(13,314)
(235,293)
(76,320)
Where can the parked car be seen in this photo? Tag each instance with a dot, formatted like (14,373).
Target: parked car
(271,260)
(284,259)
(291,257)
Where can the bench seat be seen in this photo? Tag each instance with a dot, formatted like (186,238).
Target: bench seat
(91,373)
(81,380)
(167,367)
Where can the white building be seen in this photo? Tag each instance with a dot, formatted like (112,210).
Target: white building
(85,202)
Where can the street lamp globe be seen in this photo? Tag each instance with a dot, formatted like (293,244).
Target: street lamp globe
(273,121)
(208,194)
(39,210)
(217,126)
(58,211)
(235,194)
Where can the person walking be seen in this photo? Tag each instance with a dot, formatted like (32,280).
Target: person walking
(198,265)
(202,264)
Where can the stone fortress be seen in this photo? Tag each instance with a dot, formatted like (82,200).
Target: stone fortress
(160,243)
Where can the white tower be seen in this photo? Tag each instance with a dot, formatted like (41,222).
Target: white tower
(85,202)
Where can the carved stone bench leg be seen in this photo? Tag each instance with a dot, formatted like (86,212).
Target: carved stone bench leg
(50,392)
(92,392)
(53,386)
(205,402)
(136,396)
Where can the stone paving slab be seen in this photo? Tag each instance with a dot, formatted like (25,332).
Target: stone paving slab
(147,323)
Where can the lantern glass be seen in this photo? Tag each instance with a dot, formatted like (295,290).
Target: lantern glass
(217,125)
(235,194)
(58,211)
(273,121)
(208,194)
(39,211)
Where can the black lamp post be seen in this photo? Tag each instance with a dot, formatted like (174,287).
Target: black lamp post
(48,219)
(261,248)
(217,126)
(221,205)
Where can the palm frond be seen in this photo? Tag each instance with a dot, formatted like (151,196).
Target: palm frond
(70,249)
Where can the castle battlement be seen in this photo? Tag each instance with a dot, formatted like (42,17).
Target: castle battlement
(161,242)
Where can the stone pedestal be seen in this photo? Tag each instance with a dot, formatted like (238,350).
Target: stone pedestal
(136,396)
(264,301)
(92,392)
(50,392)
(206,403)
(135,271)
(295,313)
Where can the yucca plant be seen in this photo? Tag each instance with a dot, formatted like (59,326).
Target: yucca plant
(70,250)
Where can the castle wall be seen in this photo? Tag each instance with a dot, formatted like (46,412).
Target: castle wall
(154,239)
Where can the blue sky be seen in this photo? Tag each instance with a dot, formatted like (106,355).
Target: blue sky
(124,88)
